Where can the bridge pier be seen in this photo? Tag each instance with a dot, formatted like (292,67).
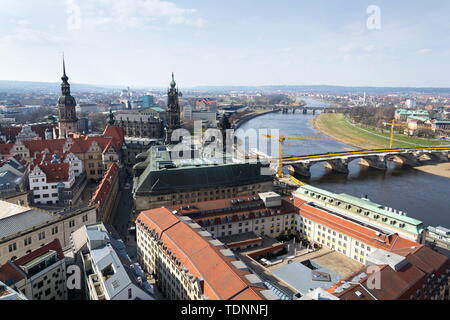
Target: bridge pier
(338,165)
(440,156)
(305,111)
(409,159)
(301,169)
(376,162)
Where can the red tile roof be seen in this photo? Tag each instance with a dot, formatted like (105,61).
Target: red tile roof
(103,189)
(5,148)
(12,132)
(55,172)
(12,272)
(115,132)
(55,245)
(410,280)
(37,146)
(222,281)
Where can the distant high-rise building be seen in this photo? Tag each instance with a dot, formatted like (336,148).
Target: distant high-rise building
(68,121)
(148,101)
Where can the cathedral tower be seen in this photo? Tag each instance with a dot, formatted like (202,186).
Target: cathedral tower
(68,121)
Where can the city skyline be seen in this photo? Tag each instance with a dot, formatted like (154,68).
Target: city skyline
(222,44)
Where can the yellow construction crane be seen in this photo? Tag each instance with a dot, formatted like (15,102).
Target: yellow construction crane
(393,124)
(281,139)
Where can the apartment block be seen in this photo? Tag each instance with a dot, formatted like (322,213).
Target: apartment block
(188,263)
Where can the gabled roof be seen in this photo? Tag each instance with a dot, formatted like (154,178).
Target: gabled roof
(115,132)
(55,172)
(37,146)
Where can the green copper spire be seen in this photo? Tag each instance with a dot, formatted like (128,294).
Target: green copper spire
(173,83)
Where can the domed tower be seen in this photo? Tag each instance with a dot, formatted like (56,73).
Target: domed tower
(68,121)
(173,110)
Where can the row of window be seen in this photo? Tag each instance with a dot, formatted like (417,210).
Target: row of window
(42,235)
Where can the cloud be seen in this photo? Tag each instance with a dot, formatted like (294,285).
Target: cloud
(135,13)
(22,22)
(31,36)
(348,48)
(424,51)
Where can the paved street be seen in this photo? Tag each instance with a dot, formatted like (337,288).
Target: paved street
(121,220)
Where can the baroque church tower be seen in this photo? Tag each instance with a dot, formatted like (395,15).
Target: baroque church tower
(68,121)
(173,110)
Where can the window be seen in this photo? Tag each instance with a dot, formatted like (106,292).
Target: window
(85,218)
(12,247)
(54,230)
(27,241)
(130,294)
(41,235)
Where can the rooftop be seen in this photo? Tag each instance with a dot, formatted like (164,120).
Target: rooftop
(362,206)
(306,276)
(204,257)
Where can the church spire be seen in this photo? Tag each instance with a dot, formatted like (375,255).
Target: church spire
(64,78)
(65,86)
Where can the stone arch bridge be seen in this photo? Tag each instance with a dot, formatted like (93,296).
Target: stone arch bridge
(338,161)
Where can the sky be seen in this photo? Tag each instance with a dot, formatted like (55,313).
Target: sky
(227,42)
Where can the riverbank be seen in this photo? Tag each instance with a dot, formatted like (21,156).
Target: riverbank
(336,126)
(250,116)
(440,169)
(339,131)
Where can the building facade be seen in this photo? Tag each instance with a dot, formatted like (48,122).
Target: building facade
(160,179)
(39,275)
(236,216)
(109,273)
(189,264)
(23,229)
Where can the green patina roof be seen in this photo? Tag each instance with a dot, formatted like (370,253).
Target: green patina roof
(161,174)
(195,178)
(411,225)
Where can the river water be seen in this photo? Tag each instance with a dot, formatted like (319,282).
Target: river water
(423,196)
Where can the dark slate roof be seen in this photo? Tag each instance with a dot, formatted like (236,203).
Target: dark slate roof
(23,221)
(194,178)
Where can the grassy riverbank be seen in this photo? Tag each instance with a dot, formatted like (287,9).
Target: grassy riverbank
(338,127)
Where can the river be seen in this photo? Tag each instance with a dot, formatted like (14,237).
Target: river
(422,195)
